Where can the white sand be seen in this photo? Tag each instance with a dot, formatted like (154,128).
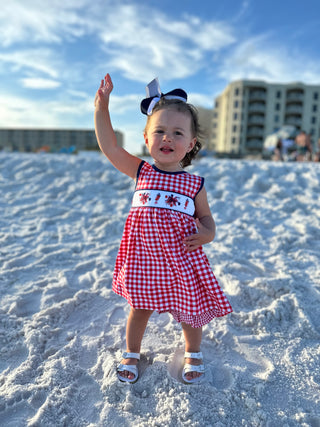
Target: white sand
(63,329)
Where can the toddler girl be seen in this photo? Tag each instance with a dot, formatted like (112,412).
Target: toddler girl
(161,265)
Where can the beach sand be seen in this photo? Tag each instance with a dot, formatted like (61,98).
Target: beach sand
(63,329)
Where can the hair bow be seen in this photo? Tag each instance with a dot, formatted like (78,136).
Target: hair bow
(154,95)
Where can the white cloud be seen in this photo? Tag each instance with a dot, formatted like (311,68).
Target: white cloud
(209,36)
(20,112)
(41,60)
(37,83)
(199,99)
(78,94)
(139,41)
(148,43)
(122,104)
(35,21)
(17,111)
(261,59)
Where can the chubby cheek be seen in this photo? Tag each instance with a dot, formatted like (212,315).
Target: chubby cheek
(152,142)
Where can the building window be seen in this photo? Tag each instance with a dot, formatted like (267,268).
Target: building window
(276,118)
(313,120)
(236,91)
(314,108)
(236,104)
(235,116)
(234,128)
(278,94)
(315,95)
(234,141)
(277,106)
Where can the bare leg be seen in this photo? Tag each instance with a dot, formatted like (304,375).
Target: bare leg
(136,325)
(193,337)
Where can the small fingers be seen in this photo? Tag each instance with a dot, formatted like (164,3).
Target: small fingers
(108,81)
(191,246)
(107,78)
(191,238)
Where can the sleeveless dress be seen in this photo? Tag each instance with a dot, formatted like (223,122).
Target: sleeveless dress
(153,271)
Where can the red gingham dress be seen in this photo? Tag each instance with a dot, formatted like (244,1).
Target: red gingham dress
(153,271)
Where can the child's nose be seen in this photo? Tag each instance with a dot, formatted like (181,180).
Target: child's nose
(167,137)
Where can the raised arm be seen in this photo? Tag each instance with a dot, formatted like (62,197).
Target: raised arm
(119,157)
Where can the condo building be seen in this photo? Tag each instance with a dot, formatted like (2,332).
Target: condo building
(248,111)
(53,139)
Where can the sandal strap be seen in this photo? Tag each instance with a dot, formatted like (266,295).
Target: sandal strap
(126,355)
(130,368)
(193,368)
(193,355)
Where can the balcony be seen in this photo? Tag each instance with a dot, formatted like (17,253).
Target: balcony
(293,120)
(294,109)
(256,120)
(294,96)
(257,95)
(257,107)
(255,131)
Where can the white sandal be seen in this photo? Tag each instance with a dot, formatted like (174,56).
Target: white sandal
(192,368)
(130,368)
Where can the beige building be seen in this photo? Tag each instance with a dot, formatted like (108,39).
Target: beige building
(248,111)
(205,120)
(55,139)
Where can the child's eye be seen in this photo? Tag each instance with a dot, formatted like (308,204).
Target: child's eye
(178,133)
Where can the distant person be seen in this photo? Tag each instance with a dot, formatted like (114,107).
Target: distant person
(278,151)
(161,265)
(316,156)
(304,147)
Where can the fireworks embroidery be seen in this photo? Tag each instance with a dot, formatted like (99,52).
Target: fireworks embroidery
(172,200)
(144,198)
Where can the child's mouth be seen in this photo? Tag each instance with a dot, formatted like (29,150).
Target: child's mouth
(166,150)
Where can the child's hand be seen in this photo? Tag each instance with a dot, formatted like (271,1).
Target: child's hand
(101,100)
(194,241)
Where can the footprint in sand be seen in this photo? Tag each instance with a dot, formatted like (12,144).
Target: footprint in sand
(27,304)
(38,399)
(219,376)
(88,357)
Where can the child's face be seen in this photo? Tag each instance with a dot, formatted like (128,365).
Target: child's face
(169,137)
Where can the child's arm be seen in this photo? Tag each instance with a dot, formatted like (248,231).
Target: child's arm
(106,137)
(205,224)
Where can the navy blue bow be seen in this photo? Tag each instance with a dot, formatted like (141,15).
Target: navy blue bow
(154,95)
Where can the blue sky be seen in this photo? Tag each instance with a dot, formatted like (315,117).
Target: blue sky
(54,53)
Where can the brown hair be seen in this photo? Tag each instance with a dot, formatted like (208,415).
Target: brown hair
(182,107)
